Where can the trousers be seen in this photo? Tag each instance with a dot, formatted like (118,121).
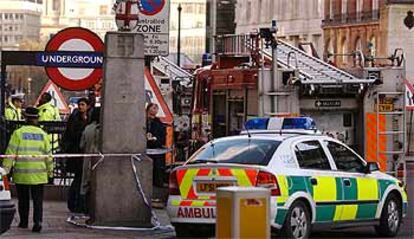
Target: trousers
(23,196)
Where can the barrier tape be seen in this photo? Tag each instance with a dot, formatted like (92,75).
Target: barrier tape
(148,152)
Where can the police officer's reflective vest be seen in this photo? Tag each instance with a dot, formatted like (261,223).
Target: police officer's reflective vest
(48,112)
(13,113)
(28,141)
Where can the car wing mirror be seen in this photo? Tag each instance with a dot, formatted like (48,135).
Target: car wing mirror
(372,167)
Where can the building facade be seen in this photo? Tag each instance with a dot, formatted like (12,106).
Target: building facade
(297,20)
(374,27)
(19,20)
(350,26)
(220,20)
(193,27)
(95,15)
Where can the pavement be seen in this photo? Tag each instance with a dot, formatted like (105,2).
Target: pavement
(54,226)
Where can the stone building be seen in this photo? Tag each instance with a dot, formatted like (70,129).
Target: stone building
(95,15)
(220,20)
(19,20)
(374,27)
(193,28)
(349,26)
(297,20)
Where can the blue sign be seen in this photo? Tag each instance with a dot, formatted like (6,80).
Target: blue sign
(70,59)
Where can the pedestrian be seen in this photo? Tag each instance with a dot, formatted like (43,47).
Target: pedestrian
(48,112)
(89,144)
(30,173)
(156,134)
(70,144)
(14,108)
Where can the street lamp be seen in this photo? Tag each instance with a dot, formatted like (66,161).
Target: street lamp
(29,90)
(179,35)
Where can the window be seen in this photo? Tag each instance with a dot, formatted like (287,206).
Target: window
(103,10)
(347,120)
(56,5)
(375,5)
(239,151)
(344,158)
(249,12)
(310,155)
(331,9)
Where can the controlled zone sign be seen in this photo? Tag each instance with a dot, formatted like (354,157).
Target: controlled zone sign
(73,58)
(409,95)
(153,95)
(58,100)
(153,22)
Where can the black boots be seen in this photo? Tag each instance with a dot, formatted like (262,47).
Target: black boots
(36,228)
(22,225)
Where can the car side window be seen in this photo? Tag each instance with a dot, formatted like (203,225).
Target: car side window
(344,158)
(310,155)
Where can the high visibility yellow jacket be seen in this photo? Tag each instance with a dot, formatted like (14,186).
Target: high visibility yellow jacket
(48,112)
(29,141)
(13,113)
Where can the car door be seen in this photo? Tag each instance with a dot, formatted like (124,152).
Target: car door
(319,178)
(360,195)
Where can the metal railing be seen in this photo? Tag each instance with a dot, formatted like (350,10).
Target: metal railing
(351,18)
(231,44)
(56,128)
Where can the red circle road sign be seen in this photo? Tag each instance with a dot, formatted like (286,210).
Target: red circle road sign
(73,58)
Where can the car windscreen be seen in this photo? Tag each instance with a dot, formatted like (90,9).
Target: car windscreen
(238,151)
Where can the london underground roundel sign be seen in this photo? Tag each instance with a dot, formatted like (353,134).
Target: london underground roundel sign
(73,58)
(151,7)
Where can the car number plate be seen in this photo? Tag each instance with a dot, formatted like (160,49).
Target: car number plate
(211,187)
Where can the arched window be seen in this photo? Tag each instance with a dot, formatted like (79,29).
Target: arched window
(329,51)
(358,48)
(372,46)
(344,50)
(358,44)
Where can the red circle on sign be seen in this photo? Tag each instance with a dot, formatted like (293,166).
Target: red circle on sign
(53,46)
(151,7)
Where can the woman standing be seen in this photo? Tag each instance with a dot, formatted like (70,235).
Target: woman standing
(156,132)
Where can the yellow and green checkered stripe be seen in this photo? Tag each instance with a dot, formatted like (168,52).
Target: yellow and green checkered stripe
(335,201)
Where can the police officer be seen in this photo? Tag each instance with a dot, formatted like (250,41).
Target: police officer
(14,108)
(48,112)
(30,173)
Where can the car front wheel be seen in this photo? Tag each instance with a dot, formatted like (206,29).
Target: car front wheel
(391,216)
(298,222)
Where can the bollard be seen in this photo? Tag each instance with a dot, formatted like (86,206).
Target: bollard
(243,212)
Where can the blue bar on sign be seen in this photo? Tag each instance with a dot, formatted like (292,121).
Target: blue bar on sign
(70,59)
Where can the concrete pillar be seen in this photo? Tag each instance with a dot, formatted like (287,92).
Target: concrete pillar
(116,200)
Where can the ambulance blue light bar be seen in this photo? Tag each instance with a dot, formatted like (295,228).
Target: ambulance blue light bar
(256,123)
(280,123)
(299,123)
